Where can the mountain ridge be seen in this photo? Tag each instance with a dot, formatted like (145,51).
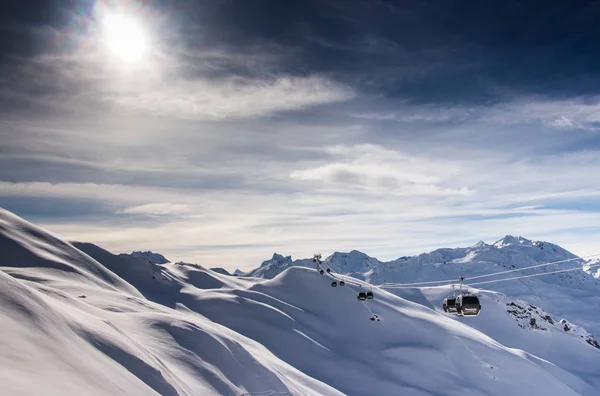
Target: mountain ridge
(568,294)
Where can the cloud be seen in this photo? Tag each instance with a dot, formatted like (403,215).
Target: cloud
(279,137)
(113,194)
(564,122)
(567,114)
(214,100)
(158,209)
(424,114)
(72,83)
(174,83)
(374,167)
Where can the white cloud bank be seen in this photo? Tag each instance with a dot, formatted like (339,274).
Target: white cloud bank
(158,209)
(374,167)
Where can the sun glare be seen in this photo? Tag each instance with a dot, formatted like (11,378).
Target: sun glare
(125,37)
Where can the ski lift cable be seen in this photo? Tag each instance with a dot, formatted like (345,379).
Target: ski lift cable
(339,276)
(398,285)
(589,266)
(533,275)
(533,266)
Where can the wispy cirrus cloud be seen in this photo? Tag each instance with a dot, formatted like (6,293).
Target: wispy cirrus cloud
(567,114)
(374,167)
(213,100)
(158,209)
(159,93)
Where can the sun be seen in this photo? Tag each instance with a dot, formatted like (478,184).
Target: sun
(124,36)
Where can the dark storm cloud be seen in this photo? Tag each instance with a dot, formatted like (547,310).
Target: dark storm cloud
(32,27)
(427,51)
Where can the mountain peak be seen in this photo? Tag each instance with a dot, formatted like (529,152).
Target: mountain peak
(355,254)
(156,258)
(277,259)
(479,245)
(509,240)
(220,270)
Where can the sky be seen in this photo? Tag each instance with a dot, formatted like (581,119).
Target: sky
(219,132)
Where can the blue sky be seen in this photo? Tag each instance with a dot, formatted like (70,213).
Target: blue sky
(249,127)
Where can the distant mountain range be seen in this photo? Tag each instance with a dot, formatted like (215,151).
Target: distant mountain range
(566,294)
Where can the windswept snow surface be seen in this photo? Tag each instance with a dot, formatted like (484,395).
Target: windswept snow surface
(80,320)
(571,352)
(69,326)
(150,256)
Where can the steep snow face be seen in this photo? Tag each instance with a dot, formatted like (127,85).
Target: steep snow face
(69,326)
(150,256)
(107,343)
(29,252)
(519,324)
(139,272)
(593,271)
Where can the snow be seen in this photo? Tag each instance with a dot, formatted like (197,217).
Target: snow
(77,319)
(594,271)
(573,294)
(220,270)
(508,321)
(67,330)
(150,256)
(276,265)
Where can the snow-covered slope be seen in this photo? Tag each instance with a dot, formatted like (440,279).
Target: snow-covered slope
(220,270)
(71,327)
(276,265)
(119,325)
(139,272)
(155,258)
(509,321)
(571,294)
(30,253)
(594,271)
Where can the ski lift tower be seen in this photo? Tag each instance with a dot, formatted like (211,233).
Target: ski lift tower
(317,261)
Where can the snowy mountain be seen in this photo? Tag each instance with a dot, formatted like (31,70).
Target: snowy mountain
(150,256)
(221,271)
(77,319)
(572,294)
(276,265)
(594,271)
(509,321)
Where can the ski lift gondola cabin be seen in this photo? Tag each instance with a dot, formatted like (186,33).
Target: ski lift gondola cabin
(449,304)
(467,305)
